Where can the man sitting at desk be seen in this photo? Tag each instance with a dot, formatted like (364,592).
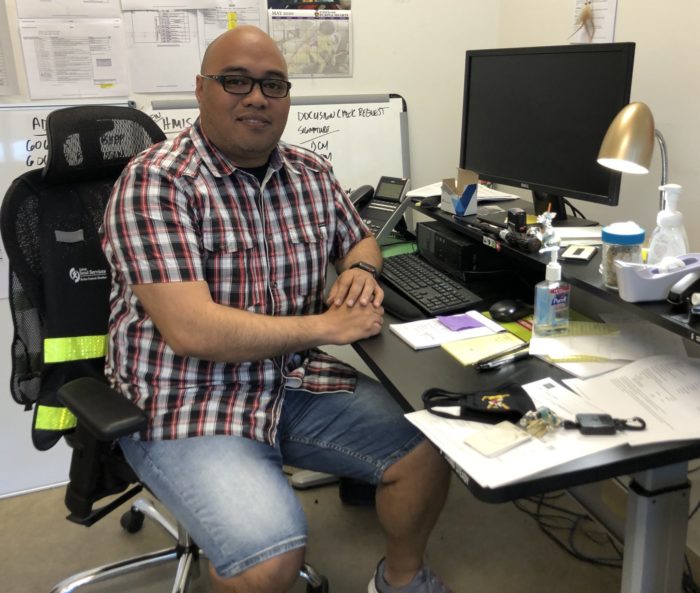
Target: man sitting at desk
(218,242)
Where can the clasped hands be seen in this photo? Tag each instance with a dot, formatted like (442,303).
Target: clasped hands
(356,298)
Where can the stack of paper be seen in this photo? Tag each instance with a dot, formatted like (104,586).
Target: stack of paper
(528,458)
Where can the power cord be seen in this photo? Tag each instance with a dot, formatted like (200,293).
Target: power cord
(552,518)
(565,527)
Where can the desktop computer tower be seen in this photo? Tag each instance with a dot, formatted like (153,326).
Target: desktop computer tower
(445,249)
(480,267)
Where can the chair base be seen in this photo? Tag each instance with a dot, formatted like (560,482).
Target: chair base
(117,569)
(185,552)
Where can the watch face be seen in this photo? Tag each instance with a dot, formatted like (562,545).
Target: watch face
(366,267)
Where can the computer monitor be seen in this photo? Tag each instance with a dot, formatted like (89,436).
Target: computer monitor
(535,117)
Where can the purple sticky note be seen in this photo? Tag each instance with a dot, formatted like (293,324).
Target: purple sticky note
(457,322)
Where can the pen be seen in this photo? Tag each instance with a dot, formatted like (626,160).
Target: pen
(502,353)
(499,362)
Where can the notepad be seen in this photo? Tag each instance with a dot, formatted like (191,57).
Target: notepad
(428,333)
(473,349)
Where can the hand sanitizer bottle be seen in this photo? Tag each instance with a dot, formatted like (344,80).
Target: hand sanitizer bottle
(669,239)
(552,300)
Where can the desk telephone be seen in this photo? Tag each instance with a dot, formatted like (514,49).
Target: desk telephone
(382,209)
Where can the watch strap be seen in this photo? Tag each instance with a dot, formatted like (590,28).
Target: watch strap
(365,267)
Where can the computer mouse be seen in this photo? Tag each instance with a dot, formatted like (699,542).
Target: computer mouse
(509,310)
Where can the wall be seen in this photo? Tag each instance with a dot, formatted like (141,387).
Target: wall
(400,46)
(417,50)
(666,77)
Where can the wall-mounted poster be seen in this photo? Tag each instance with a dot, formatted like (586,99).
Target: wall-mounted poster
(314,42)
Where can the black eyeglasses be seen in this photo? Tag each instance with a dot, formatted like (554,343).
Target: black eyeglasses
(237,84)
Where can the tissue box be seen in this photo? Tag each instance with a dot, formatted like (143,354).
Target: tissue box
(459,196)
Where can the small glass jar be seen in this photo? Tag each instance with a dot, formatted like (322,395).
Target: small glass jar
(621,241)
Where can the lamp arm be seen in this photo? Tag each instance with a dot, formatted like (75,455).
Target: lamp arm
(664,165)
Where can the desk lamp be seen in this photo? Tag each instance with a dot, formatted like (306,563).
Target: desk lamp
(629,143)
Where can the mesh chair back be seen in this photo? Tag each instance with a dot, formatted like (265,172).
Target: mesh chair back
(59,279)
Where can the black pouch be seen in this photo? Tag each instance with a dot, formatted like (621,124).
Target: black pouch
(508,402)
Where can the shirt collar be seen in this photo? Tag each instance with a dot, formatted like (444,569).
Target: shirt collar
(218,163)
(221,166)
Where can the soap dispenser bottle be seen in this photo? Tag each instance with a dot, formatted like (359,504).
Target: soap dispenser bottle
(669,239)
(552,300)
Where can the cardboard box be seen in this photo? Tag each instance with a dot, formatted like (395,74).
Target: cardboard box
(459,196)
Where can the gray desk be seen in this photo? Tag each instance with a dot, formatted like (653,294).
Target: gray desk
(658,501)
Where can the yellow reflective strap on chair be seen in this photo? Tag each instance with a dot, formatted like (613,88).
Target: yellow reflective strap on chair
(76,348)
(51,418)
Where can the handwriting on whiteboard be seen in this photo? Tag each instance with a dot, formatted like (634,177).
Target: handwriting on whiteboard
(316,126)
(174,123)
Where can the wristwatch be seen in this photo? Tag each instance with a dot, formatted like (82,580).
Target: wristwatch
(365,267)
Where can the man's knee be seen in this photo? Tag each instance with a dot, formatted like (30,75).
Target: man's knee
(423,462)
(275,575)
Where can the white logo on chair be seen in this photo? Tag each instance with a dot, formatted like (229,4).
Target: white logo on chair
(86,275)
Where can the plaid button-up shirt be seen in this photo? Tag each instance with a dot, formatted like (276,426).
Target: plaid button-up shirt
(182,212)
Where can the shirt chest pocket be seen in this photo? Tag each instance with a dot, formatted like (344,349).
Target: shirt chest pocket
(232,267)
(298,267)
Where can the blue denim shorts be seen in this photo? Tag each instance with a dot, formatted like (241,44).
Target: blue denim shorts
(231,493)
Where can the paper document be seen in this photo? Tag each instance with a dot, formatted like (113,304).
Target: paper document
(585,353)
(483,193)
(156,38)
(428,333)
(27,9)
(662,390)
(168,4)
(427,191)
(588,235)
(8,73)
(74,58)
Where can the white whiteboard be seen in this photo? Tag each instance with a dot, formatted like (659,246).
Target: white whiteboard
(364,136)
(22,467)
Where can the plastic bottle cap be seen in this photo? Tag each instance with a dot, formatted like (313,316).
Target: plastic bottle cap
(553,272)
(669,219)
(623,233)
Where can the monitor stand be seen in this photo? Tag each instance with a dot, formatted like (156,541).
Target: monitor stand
(544,202)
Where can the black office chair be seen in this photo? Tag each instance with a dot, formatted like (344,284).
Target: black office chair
(59,290)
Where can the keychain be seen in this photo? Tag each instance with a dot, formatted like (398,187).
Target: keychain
(604,424)
(543,420)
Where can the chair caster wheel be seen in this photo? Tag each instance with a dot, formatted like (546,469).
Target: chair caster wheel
(320,588)
(132,520)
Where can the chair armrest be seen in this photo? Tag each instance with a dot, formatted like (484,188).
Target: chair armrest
(102,411)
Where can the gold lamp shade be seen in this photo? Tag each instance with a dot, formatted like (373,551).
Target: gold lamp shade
(629,141)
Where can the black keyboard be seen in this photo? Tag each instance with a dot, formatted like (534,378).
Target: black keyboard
(431,290)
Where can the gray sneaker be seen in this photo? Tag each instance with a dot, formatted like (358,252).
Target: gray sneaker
(425,581)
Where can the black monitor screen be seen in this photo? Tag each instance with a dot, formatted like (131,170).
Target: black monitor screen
(535,117)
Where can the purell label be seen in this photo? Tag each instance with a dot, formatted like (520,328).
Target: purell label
(560,299)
